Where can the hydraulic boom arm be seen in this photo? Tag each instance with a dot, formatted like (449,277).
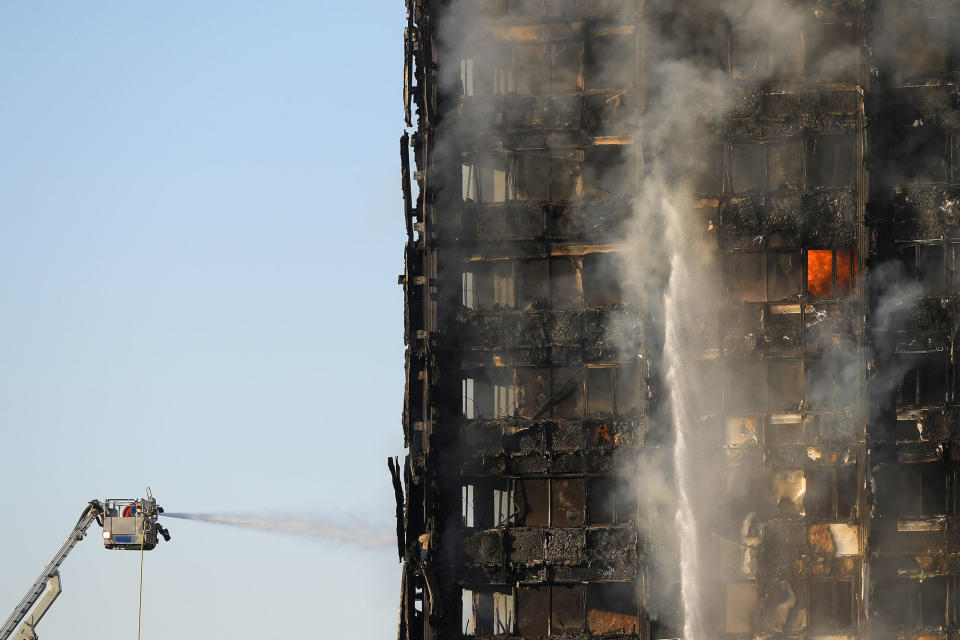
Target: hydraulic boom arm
(26,629)
(94,511)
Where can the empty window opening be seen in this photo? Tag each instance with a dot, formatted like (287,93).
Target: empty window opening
(774,276)
(955,137)
(489,393)
(504,400)
(487,502)
(786,429)
(503,612)
(627,388)
(745,390)
(542,502)
(923,154)
(502,289)
(831,493)
(565,66)
(831,606)
(789,487)
(468,396)
(503,506)
(487,611)
(784,165)
(467,516)
(566,284)
(467,619)
(747,168)
(925,264)
(706,50)
(742,602)
(532,500)
(613,608)
(786,57)
(785,385)
(954,261)
(745,276)
(489,285)
(502,77)
(920,490)
(831,52)
(917,604)
(566,609)
(530,68)
(601,500)
(598,73)
(503,83)
(466,76)
(784,275)
(533,284)
(468,185)
(603,276)
(568,392)
(534,389)
(611,500)
(487,178)
(741,432)
(546,176)
(600,390)
(925,383)
(923,41)
(748,57)
(533,606)
(709,169)
(467,291)
(567,502)
(831,161)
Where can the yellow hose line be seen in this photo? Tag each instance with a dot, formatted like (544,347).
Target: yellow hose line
(143,530)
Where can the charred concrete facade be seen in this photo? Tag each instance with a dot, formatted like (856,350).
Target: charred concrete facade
(600,448)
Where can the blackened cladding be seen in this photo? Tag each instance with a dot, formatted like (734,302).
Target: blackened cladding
(681,289)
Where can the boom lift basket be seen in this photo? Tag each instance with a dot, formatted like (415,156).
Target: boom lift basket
(130,523)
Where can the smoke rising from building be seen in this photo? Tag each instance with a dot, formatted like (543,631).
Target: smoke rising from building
(692,261)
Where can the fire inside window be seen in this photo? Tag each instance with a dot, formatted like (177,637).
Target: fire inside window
(830,272)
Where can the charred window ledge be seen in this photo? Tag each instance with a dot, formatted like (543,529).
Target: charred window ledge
(819,218)
(603,549)
(524,338)
(594,217)
(779,330)
(929,425)
(518,436)
(521,121)
(924,212)
(622,460)
(935,523)
(798,455)
(927,325)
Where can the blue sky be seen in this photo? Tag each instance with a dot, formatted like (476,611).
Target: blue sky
(200,236)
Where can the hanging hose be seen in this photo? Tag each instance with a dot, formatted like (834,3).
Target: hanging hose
(143,534)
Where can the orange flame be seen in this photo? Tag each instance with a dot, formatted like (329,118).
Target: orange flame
(845,272)
(820,272)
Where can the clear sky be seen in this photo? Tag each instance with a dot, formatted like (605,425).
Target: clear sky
(200,236)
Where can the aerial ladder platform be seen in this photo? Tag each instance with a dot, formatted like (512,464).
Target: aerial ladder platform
(128,524)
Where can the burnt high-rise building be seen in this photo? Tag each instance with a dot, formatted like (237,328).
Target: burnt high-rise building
(681,285)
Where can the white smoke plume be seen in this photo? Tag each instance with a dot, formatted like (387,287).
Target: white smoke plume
(356,533)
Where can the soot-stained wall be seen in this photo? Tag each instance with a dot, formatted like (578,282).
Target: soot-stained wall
(681,295)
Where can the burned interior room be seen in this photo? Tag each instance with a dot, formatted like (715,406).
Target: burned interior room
(681,285)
